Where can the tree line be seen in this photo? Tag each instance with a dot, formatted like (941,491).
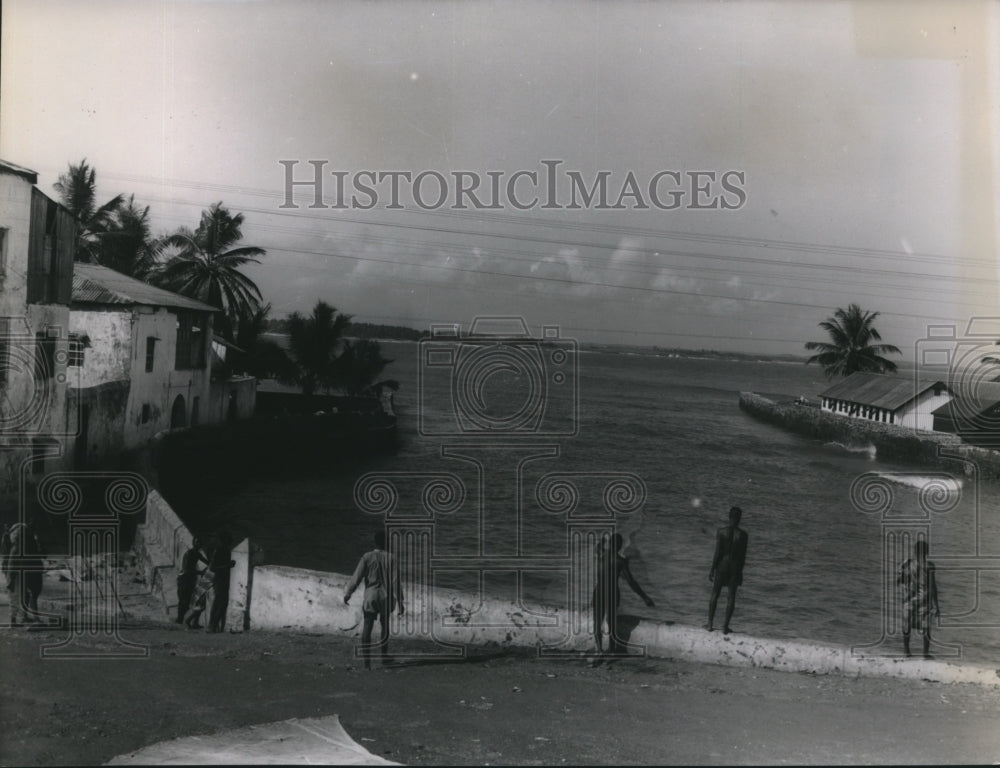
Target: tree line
(205,263)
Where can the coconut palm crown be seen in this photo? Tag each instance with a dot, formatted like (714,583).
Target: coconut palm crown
(851,348)
(204,265)
(77,190)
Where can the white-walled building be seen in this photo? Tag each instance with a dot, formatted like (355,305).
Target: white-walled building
(144,361)
(900,400)
(37,244)
(142,358)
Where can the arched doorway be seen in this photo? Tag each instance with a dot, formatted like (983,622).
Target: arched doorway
(178,415)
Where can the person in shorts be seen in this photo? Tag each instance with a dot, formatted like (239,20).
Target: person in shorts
(383,593)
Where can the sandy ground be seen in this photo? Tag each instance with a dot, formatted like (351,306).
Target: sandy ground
(494,707)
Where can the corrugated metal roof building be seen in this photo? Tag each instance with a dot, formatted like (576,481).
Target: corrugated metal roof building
(903,400)
(973,413)
(94,284)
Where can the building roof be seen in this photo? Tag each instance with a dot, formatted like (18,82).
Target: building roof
(879,390)
(25,173)
(971,400)
(95,284)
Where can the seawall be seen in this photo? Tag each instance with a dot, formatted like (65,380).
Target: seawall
(301,600)
(281,598)
(891,442)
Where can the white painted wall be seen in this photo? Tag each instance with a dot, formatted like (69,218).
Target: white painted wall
(109,356)
(15,217)
(43,410)
(918,415)
(160,388)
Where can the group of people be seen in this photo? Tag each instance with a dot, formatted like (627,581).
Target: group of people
(916,577)
(205,572)
(196,584)
(726,572)
(22,566)
(206,566)
(383,592)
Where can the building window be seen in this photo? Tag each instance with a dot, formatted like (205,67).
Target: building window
(145,413)
(150,352)
(3,252)
(77,345)
(190,341)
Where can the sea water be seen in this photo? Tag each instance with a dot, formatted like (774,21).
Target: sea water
(815,560)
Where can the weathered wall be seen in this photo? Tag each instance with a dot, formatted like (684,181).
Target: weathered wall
(108,356)
(160,388)
(15,217)
(35,409)
(301,600)
(892,442)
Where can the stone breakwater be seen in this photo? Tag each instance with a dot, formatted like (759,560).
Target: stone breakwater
(891,442)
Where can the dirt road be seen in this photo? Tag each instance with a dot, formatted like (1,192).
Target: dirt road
(490,708)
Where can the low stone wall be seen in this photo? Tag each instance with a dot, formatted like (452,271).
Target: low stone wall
(301,600)
(891,442)
(273,597)
(295,598)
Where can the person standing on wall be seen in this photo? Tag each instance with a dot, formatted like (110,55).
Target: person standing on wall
(920,598)
(611,566)
(727,566)
(221,566)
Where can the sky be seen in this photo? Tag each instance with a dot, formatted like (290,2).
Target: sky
(860,141)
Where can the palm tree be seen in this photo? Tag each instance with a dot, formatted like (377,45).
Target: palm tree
(126,245)
(204,265)
(360,365)
(261,358)
(850,348)
(314,343)
(77,190)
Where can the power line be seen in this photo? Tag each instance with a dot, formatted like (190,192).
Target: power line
(521,220)
(648,289)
